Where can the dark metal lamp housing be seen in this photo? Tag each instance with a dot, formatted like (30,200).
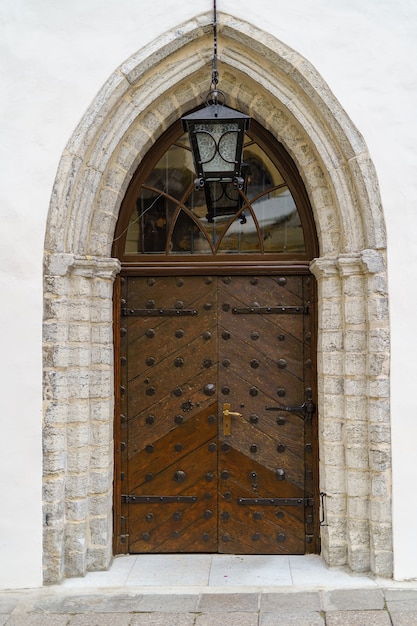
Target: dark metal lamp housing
(216,137)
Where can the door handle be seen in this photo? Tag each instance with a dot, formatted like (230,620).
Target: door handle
(227,422)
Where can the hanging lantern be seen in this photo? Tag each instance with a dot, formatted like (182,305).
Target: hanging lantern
(216,135)
(216,138)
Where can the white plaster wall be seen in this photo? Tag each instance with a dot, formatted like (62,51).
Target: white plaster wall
(54,57)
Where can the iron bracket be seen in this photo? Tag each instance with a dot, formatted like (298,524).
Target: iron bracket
(323,497)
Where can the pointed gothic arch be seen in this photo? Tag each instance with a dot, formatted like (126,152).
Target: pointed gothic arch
(284,93)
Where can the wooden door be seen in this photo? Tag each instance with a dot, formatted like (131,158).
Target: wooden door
(217,415)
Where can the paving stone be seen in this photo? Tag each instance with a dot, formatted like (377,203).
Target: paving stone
(397,595)
(286,618)
(358,618)
(164,603)
(231,619)
(29,619)
(353,599)
(8,601)
(3,619)
(162,619)
(403,606)
(243,602)
(404,619)
(88,603)
(291,602)
(101,619)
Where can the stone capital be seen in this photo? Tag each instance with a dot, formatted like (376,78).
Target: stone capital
(324,267)
(350,265)
(63,264)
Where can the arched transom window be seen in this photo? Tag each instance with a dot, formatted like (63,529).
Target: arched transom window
(165,217)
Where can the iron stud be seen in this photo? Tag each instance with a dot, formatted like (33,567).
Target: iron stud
(180,476)
(209,389)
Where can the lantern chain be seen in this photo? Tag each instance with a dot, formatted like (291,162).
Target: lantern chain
(215,73)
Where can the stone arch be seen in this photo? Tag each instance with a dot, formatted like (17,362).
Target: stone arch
(274,84)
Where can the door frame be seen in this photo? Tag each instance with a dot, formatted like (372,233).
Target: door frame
(353,295)
(120,544)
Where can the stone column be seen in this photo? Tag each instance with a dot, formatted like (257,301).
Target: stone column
(354,433)
(78,414)
(331,409)
(379,428)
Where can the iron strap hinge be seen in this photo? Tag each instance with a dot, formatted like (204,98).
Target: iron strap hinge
(276,501)
(262,310)
(127,499)
(158,312)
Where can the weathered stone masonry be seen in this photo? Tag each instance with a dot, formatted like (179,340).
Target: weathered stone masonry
(78,416)
(272,83)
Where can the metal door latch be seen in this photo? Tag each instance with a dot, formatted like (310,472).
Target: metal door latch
(307,408)
(227,422)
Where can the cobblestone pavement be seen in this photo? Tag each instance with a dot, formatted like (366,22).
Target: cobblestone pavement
(52,606)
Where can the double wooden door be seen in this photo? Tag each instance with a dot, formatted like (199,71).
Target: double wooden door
(216,448)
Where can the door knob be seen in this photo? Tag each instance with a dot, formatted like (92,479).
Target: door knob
(227,414)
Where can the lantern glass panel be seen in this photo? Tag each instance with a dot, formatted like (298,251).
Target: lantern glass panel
(217,145)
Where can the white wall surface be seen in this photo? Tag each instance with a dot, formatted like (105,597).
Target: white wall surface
(54,57)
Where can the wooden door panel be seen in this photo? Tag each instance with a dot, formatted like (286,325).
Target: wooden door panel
(264,290)
(253,476)
(278,528)
(174,528)
(169,413)
(250,534)
(280,340)
(260,372)
(193,344)
(254,444)
(165,338)
(178,468)
(251,342)
(170,448)
(174,377)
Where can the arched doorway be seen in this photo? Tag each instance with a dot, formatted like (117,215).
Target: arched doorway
(216,421)
(284,93)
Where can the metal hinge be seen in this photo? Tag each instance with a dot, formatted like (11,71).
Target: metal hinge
(128,499)
(158,312)
(276,501)
(271,310)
